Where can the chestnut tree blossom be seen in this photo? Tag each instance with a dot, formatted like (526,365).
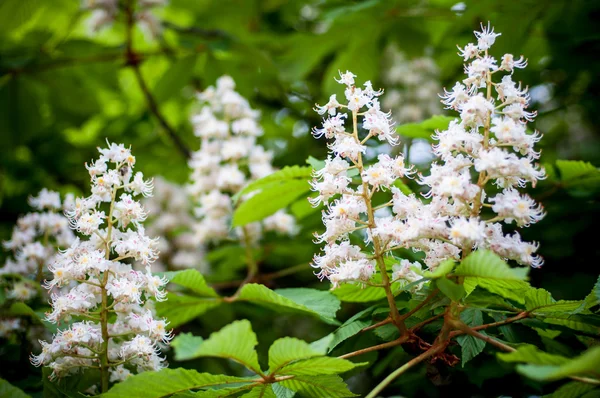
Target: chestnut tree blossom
(229,157)
(94,281)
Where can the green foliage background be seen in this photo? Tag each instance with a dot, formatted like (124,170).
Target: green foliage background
(63,92)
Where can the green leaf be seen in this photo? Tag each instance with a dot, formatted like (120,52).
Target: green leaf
(470,347)
(22,309)
(577,173)
(287,350)
(322,302)
(575,322)
(262,295)
(215,393)
(235,341)
(315,163)
(8,390)
(592,299)
(574,389)
(425,128)
(319,387)
(179,309)
(586,364)
(69,386)
(282,392)
(531,354)
(268,201)
(358,55)
(263,391)
(356,294)
(540,301)
(286,174)
(451,289)
(441,271)
(175,78)
(346,331)
(169,381)
(487,264)
(317,366)
(484,268)
(191,279)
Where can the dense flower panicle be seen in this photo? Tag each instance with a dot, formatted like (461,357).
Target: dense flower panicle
(34,244)
(491,139)
(488,145)
(411,86)
(171,218)
(229,158)
(91,270)
(348,205)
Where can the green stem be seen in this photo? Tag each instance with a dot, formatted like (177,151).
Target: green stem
(104,309)
(392,376)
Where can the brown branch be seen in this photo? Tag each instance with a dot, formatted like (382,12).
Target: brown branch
(515,318)
(488,339)
(376,325)
(420,305)
(133,60)
(401,340)
(262,278)
(425,322)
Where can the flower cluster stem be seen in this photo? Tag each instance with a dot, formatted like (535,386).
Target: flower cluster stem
(377,246)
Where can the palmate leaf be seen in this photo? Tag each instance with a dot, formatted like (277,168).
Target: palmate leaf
(488,265)
(317,366)
(287,173)
(533,355)
(263,391)
(286,350)
(574,389)
(281,391)
(191,279)
(486,269)
(357,294)
(167,382)
(316,303)
(8,390)
(319,387)
(450,289)
(578,172)
(592,299)
(548,367)
(540,301)
(348,329)
(322,302)
(470,346)
(425,128)
(289,356)
(270,199)
(216,393)
(179,309)
(235,341)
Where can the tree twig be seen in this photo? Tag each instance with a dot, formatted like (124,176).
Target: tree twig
(401,340)
(420,305)
(416,360)
(134,60)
